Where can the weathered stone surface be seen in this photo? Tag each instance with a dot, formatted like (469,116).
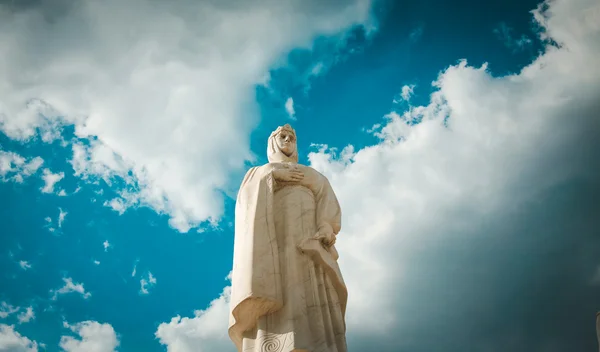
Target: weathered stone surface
(287,293)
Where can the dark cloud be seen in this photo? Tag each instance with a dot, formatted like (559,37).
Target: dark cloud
(520,282)
(50,10)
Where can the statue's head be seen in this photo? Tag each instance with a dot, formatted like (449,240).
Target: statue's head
(282,145)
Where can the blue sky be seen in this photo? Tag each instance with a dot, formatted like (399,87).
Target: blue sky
(470,205)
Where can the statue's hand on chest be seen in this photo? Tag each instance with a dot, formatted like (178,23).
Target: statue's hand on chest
(288,173)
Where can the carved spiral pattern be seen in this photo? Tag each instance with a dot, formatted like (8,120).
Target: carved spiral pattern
(271,343)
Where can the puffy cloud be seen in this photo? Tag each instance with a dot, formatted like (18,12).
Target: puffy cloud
(406,93)
(16,168)
(12,341)
(26,316)
(205,332)
(134,271)
(484,163)
(289,108)
(50,180)
(6,310)
(106,245)
(93,337)
(446,217)
(61,216)
(97,159)
(24,264)
(69,287)
(146,283)
(168,97)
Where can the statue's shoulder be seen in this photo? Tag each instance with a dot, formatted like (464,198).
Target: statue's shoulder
(248,175)
(254,169)
(258,171)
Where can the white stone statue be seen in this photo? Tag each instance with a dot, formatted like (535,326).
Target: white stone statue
(287,291)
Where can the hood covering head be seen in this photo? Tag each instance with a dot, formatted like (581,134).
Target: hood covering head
(275,154)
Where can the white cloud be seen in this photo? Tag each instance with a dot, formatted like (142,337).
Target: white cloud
(69,287)
(50,180)
(151,279)
(97,262)
(134,268)
(26,316)
(61,217)
(484,144)
(289,108)
(146,283)
(205,332)
(12,341)
(16,168)
(317,69)
(503,140)
(96,159)
(406,93)
(119,204)
(24,265)
(173,94)
(6,310)
(93,337)
(48,224)
(106,245)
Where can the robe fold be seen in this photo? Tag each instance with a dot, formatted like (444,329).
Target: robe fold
(287,291)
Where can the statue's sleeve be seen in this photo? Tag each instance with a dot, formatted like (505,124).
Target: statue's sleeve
(328,219)
(256,277)
(329,212)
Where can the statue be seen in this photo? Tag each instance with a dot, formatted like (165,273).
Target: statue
(287,291)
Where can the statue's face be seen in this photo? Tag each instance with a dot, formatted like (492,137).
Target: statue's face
(286,142)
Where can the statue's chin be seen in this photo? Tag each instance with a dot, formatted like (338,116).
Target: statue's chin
(286,149)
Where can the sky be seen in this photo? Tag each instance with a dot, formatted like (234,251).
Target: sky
(460,139)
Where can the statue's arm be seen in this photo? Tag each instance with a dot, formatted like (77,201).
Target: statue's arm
(329,214)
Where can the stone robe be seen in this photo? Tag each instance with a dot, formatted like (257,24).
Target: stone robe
(282,298)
